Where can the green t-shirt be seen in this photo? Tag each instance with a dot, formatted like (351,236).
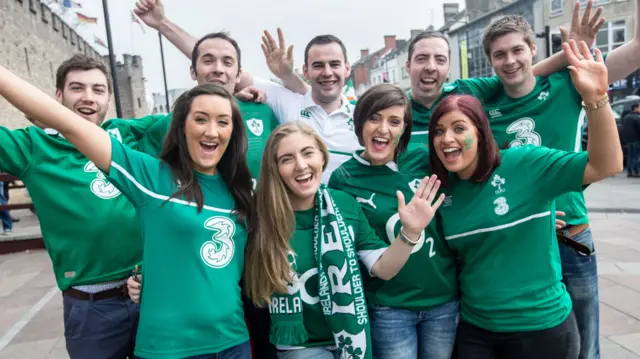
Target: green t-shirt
(89,228)
(368,247)
(482,88)
(551,116)
(375,188)
(504,232)
(259,122)
(193,261)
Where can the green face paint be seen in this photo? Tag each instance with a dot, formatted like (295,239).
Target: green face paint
(397,139)
(468,142)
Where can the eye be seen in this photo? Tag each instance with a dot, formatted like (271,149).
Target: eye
(201,120)
(285,160)
(228,63)
(308,153)
(439,132)
(223,122)
(459,129)
(396,122)
(99,91)
(374,119)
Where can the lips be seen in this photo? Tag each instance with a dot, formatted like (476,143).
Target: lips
(86,111)
(451,154)
(428,81)
(379,143)
(327,83)
(305,179)
(208,147)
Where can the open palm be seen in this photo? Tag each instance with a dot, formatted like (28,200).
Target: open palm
(589,75)
(416,215)
(280,62)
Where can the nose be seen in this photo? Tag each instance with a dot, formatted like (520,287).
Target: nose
(217,67)
(383,128)
(211,130)
(430,65)
(510,58)
(87,95)
(300,163)
(448,137)
(326,71)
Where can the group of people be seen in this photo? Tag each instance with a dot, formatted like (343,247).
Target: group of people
(406,225)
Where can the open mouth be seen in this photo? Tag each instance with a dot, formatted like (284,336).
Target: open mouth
(511,71)
(217,82)
(86,111)
(304,179)
(428,81)
(452,153)
(208,147)
(327,83)
(380,143)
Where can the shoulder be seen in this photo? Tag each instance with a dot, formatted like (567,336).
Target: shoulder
(343,200)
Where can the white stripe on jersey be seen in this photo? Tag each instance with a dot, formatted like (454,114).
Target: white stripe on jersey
(497,228)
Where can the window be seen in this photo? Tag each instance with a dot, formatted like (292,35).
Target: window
(73,37)
(32,6)
(26,60)
(583,3)
(64,30)
(611,35)
(43,10)
(139,103)
(556,7)
(56,22)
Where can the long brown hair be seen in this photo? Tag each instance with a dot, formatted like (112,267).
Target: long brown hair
(266,265)
(233,163)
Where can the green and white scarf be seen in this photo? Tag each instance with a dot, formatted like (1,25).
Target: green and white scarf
(342,297)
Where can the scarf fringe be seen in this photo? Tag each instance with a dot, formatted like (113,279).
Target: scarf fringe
(288,333)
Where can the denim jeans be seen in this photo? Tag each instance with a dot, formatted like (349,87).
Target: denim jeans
(308,353)
(580,275)
(401,333)
(559,342)
(633,158)
(240,351)
(5,217)
(100,329)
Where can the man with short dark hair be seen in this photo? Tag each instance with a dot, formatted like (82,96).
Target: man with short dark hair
(631,138)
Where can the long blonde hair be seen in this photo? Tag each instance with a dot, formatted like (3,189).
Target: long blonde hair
(267,268)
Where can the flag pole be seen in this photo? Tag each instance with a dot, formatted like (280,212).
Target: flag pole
(112,59)
(164,73)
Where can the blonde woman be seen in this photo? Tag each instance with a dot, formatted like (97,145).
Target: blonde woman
(301,255)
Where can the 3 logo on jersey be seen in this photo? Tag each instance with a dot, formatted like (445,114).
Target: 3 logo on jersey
(219,251)
(100,186)
(502,207)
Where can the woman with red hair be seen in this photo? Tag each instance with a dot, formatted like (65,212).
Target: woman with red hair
(499,217)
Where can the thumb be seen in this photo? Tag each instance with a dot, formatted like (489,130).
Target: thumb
(290,53)
(401,203)
(564,34)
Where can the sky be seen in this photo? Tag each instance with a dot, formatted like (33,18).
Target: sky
(359,24)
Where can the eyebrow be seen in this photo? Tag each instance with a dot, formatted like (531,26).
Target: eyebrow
(202,113)
(289,154)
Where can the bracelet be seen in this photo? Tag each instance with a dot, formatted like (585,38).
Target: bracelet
(598,104)
(406,239)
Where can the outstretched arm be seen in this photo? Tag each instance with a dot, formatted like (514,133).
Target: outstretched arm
(625,59)
(90,139)
(281,63)
(584,29)
(589,77)
(151,12)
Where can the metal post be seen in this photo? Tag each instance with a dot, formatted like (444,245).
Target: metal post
(164,73)
(112,59)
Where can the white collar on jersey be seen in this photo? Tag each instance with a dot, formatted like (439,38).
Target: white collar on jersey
(346,108)
(391,164)
(52,132)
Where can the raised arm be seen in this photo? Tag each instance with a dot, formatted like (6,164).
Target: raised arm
(589,77)
(90,139)
(151,12)
(625,59)
(584,29)
(415,216)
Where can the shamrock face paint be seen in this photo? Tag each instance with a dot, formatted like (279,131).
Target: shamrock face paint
(468,142)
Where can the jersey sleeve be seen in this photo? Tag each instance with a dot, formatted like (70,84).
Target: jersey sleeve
(134,173)
(554,172)
(153,139)
(482,88)
(16,148)
(136,127)
(368,245)
(279,98)
(562,79)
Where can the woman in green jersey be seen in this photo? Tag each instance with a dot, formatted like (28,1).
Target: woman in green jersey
(414,315)
(306,244)
(193,204)
(499,218)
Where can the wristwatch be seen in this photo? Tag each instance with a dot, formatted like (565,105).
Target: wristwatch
(596,105)
(406,239)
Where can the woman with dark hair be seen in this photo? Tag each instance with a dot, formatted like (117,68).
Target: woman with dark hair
(306,244)
(414,314)
(193,204)
(499,217)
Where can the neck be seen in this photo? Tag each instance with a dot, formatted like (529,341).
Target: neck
(523,88)
(426,101)
(466,173)
(302,204)
(328,107)
(374,162)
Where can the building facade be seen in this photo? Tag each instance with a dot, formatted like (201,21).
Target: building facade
(160,100)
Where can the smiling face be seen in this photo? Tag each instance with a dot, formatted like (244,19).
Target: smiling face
(300,163)
(326,69)
(208,128)
(456,144)
(428,68)
(217,63)
(512,58)
(381,133)
(86,92)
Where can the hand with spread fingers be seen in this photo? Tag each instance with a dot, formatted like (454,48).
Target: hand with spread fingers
(151,12)
(584,29)
(589,74)
(416,215)
(280,62)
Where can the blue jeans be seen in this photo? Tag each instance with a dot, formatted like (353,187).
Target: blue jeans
(401,333)
(240,351)
(308,353)
(633,158)
(5,217)
(580,275)
(100,329)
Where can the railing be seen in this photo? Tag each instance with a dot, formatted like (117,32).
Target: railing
(8,207)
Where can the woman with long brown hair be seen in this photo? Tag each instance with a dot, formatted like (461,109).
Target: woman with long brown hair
(305,243)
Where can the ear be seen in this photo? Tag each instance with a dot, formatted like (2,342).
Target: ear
(407,65)
(193,73)
(533,50)
(305,71)
(347,66)
(59,96)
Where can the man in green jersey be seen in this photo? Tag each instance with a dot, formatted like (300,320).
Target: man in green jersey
(89,228)
(546,111)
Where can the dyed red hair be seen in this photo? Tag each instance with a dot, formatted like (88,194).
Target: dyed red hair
(488,151)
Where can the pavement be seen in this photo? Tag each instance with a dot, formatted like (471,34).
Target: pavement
(31,324)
